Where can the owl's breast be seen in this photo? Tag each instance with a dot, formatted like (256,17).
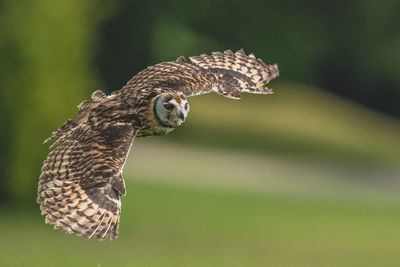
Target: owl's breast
(151,127)
(153,131)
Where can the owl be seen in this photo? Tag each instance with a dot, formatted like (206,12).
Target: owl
(81,183)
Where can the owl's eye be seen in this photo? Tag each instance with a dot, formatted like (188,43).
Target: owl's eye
(169,106)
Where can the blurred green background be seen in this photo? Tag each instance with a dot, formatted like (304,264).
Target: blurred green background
(309,176)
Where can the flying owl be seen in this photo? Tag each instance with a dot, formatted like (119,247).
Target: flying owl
(81,181)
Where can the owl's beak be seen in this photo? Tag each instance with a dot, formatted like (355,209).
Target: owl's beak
(179,120)
(181,116)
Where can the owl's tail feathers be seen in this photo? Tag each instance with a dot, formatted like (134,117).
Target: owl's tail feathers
(90,213)
(238,72)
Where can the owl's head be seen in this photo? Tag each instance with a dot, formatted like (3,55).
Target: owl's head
(171,108)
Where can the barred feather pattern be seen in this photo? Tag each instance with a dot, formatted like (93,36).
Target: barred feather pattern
(81,181)
(226,73)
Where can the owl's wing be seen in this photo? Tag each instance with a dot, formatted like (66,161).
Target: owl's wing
(226,73)
(81,182)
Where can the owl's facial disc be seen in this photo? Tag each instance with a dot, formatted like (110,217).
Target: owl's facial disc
(171,109)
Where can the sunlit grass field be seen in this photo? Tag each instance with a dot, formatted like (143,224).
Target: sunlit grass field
(300,178)
(180,226)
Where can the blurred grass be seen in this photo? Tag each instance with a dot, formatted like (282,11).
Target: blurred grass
(269,179)
(180,226)
(254,172)
(297,120)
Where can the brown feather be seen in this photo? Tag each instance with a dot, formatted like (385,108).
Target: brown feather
(226,72)
(81,182)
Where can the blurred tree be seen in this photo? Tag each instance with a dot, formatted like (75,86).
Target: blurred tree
(46,49)
(348,47)
(363,56)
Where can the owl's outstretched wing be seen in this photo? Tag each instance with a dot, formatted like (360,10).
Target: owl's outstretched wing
(81,182)
(226,73)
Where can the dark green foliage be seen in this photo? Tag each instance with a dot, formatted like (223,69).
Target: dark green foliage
(348,47)
(45,71)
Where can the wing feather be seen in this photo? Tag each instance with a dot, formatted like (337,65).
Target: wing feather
(227,73)
(81,183)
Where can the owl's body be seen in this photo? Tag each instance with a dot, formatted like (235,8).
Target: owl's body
(81,181)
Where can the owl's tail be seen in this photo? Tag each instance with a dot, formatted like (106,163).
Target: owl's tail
(91,213)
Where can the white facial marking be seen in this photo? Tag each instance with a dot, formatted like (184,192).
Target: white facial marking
(173,115)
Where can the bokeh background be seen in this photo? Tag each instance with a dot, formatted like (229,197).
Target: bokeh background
(309,176)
